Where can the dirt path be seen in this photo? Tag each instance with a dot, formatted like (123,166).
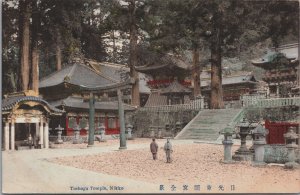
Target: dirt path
(102,166)
(192,164)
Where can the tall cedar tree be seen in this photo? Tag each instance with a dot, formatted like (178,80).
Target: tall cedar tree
(135,93)
(34,47)
(25,14)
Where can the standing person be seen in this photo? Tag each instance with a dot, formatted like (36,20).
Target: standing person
(154,149)
(168,150)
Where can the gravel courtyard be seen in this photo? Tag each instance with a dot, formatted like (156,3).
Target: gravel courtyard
(193,164)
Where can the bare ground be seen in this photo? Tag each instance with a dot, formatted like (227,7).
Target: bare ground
(192,164)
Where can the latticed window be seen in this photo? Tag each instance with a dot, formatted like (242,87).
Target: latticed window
(83,123)
(72,122)
(112,123)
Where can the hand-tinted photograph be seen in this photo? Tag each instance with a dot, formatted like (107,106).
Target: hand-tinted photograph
(150,96)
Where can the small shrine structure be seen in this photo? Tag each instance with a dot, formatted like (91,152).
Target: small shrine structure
(26,120)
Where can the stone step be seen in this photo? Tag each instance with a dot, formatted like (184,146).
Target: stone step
(207,124)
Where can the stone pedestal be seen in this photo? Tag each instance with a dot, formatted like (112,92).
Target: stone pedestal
(59,132)
(259,153)
(242,154)
(129,131)
(76,139)
(59,140)
(227,142)
(259,142)
(291,138)
(227,151)
(159,133)
(102,134)
(152,133)
(291,164)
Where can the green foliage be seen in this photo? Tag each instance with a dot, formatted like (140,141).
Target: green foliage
(162,26)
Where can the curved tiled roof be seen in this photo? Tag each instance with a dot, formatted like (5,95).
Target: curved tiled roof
(76,74)
(157,99)
(9,103)
(78,102)
(290,51)
(232,80)
(114,71)
(164,61)
(175,88)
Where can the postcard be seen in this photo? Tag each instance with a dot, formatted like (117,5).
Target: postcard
(142,96)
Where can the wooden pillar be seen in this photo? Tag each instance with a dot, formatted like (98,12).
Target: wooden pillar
(46,135)
(12,136)
(42,133)
(6,136)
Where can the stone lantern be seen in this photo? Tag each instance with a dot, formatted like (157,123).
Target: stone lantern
(227,142)
(59,132)
(129,128)
(152,134)
(259,142)
(76,139)
(243,153)
(291,138)
(159,133)
(177,126)
(101,128)
(167,126)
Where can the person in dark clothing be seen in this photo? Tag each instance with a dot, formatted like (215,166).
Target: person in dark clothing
(154,149)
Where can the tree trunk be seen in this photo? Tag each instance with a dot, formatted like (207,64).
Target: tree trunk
(35,51)
(25,39)
(216,99)
(58,50)
(196,72)
(35,69)
(58,55)
(135,93)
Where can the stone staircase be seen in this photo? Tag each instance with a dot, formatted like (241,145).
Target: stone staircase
(207,124)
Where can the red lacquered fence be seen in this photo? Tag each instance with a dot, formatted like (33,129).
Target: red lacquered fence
(115,129)
(276,131)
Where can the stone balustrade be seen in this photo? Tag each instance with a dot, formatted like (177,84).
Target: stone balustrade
(272,102)
(279,102)
(193,105)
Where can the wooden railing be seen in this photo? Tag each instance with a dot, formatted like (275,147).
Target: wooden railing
(193,105)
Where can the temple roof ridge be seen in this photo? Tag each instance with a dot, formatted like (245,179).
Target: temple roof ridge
(175,87)
(76,74)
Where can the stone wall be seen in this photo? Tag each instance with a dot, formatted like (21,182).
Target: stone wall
(144,120)
(278,154)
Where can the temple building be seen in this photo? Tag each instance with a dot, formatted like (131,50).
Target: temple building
(281,67)
(62,89)
(26,121)
(234,86)
(168,81)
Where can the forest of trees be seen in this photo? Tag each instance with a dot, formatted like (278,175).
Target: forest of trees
(41,36)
